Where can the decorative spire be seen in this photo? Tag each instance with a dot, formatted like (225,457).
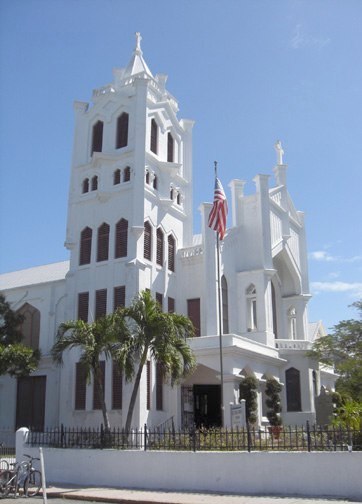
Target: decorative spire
(279,150)
(138,43)
(137,64)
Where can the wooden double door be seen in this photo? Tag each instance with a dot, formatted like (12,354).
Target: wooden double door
(30,402)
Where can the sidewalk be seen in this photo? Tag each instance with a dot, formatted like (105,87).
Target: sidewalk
(129,496)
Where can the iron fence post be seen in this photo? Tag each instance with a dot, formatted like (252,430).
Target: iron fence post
(248,435)
(308,436)
(145,436)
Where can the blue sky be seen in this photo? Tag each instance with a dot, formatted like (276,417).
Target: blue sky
(248,73)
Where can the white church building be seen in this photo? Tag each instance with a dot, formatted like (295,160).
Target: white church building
(130,228)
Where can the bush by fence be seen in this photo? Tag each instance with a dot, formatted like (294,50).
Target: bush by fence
(308,438)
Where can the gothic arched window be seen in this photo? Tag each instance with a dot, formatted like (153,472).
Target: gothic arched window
(225,305)
(127,174)
(154,136)
(85,186)
(147,245)
(292,384)
(122,131)
(30,326)
(251,308)
(85,246)
(103,242)
(117,177)
(170,148)
(171,253)
(94,183)
(121,238)
(97,137)
(159,247)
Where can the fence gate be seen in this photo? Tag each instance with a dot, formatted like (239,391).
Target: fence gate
(7,445)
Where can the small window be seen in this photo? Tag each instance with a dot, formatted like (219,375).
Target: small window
(122,131)
(94,183)
(194,314)
(154,136)
(155,182)
(159,248)
(127,174)
(171,194)
(171,253)
(85,186)
(116,177)
(103,242)
(147,248)
(85,246)
(121,238)
(178,199)
(170,148)
(97,137)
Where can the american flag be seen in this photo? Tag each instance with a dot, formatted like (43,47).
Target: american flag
(219,211)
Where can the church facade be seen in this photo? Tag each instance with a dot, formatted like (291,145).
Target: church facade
(130,228)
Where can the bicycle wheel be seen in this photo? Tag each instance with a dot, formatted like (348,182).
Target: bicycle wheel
(32,484)
(5,485)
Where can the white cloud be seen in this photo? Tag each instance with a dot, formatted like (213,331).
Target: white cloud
(353,288)
(322,255)
(300,39)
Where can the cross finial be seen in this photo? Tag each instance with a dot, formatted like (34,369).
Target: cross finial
(279,150)
(138,41)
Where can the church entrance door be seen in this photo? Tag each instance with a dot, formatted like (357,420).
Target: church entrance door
(207,404)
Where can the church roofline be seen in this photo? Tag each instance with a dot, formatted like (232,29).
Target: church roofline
(33,276)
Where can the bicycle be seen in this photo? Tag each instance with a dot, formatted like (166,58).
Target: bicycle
(24,476)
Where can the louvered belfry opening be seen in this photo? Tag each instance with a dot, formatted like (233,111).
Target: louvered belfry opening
(171,253)
(97,137)
(121,239)
(159,248)
(103,242)
(101,303)
(193,312)
(154,136)
(94,183)
(119,297)
(97,401)
(85,246)
(127,174)
(117,177)
(170,148)
(83,303)
(122,131)
(147,245)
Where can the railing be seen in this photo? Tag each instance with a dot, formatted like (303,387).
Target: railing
(307,439)
(288,344)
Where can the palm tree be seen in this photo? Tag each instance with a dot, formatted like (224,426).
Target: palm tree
(107,337)
(163,335)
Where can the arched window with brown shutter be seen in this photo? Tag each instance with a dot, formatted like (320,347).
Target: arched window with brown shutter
(170,148)
(97,137)
(121,238)
(85,186)
(85,246)
(154,136)
(117,177)
(94,183)
(293,392)
(147,245)
(127,174)
(171,253)
(122,131)
(30,326)
(103,242)
(159,247)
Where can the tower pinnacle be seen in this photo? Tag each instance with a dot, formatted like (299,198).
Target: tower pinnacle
(138,42)
(279,150)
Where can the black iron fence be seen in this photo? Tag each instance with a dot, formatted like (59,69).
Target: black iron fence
(304,438)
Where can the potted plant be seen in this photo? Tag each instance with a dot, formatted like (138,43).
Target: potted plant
(272,391)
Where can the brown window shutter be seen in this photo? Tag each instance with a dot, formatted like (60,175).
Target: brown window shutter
(117,177)
(103,242)
(97,403)
(101,303)
(171,253)
(154,136)
(85,246)
(159,387)
(127,174)
(83,302)
(159,299)
(85,186)
(121,238)
(171,305)
(159,247)
(97,137)
(117,384)
(170,145)
(293,391)
(80,386)
(193,312)
(119,297)
(122,131)
(147,241)
(148,373)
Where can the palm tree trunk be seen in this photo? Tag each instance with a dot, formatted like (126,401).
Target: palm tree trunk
(135,390)
(99,385)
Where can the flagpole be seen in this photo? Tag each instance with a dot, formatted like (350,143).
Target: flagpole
(220,319)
